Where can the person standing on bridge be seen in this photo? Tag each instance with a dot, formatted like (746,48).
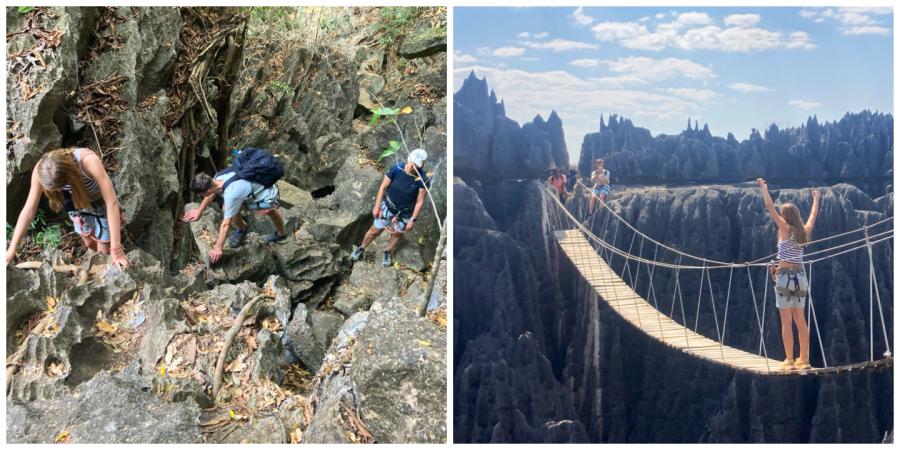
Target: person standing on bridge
(600,185)
(559,181)
(791,284)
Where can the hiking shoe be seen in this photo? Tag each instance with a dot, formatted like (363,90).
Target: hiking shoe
(357,253)
(787,364)
(387,259)
(236,238)
(275,237)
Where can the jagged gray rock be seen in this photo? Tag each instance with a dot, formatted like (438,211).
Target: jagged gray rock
(105,410)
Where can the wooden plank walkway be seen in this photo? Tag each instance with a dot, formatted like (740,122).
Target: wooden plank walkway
(640,313)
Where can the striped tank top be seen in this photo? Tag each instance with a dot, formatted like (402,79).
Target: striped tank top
(90,184)
(790,251)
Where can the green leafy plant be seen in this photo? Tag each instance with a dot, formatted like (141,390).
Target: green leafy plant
(49,237)
(282,86)
(25,9)
(393,146)
(392,23)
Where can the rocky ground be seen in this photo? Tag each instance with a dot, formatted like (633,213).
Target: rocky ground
(332,351)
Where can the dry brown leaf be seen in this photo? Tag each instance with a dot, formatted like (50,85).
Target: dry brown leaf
(56,369)
(105,327)
(62,438)
(272,324)
(296,436)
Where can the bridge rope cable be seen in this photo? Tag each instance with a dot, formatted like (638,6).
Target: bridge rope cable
(608,251)
(727,299)
(828,238)
(874,285)
(611,248)
(759,322)
(711,263)
(812,310)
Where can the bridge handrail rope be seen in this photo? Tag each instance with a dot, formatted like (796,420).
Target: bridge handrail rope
(711,263)
(834,236)
(599,245)
(717,264)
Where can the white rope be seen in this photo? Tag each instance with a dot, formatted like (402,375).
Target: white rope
(828,238)
(759,322)
(727,299)
(712,300)
(887,343)
(812,310)
(717,264)
(699,298)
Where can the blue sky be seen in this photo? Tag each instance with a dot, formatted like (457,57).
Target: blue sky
(733,68)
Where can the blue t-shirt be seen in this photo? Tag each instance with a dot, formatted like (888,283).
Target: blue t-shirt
(404,188)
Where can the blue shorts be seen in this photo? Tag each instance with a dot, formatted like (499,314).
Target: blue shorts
(601,190)
(785,298)
(91,223)
(269,199)
(387,220)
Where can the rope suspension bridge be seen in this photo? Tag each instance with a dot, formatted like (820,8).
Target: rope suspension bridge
(630,291)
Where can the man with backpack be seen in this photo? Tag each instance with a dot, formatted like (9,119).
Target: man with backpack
(398,203)
(248,184)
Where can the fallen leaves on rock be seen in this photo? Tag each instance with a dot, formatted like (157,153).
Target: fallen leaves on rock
(296,378)
(439,317)
(121,330)
(37,25)
(296,436)
(56,369)
(63,438)
(272,324)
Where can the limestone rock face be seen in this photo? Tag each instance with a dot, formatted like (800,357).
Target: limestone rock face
(108,409)
(857,145)
(490,145)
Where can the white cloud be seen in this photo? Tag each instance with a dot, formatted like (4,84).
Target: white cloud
(693,18)
(649,69)
(803,104)
(868,29)
(541,35)
(581,18)
(617,31)
(559,45)
(742,20)
(853,21)
(587,62)
(484,51)
(529,93)
(459,57)
(505,52)
(644,19)
(523,35)
(692,31)
(660,16)
(747,87)
(799,39)
(698,95)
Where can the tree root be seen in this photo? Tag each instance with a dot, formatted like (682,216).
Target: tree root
(229,339)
